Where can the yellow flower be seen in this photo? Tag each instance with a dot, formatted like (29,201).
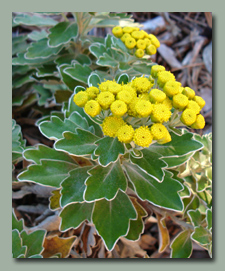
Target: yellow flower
(142,136)
(143,108)
(130,43)
(180,101)
(128,29)
(168,103)
(118,108)
(160,113)
(117,31)
(137,35)
(147,41)
(110,86)
(141,84)
(151,49)
(130,89)
(125,96)
(188,117)
(141,44)
(163,77)
(139,53)
(190,93)
(105,99)
(111,125)
(154,40)
(165,139)
(171,88)
(131,107)
(199,123)
(81,98)
(157,95)
(125,134)
(200,101)
(92,92)
(158,131)
(125,36)
(145,33)
(144,96)
(155,69)
(193,106)
(92,108)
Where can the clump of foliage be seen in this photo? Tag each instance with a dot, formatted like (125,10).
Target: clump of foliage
(126,118)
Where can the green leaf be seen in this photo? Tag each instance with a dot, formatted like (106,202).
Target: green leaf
(34,19)
(163,194)
(105,182)
(106,60)
(62,33)
(73,187)
(47,70)
(151,164)
(118,45)
(94,80)
(50,173)
(74,214)
(201,235)
(123,66)
(195,216)
(55,128)
(80,143)
(38,35)
(209,218)
(108,150)
(40,49)
(34,242)
(45,94)
(78,72)
(44,152)
(177,161)
(182,245)
(22,60)
(179,145)
(97,49)
(62,96)
(18,250)
(136,226)
(70,82)
(16,225)
(142,68)
(17,143)
(83,59)
(111,218)
(123,78)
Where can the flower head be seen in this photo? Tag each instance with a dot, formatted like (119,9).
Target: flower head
(143,108)
(165,139)
(199,123)
(157,95)
(154,40)
(128,29)
(117,31)
(190,93)
(151,49)
(111,125)
(81,98)
(194,106)
(137,35)
(188,117)
(168,103)
(125,96)
(92,92)
(141,44)
(171,88)
(110,86)
(164,76)
(180,101)
(141,84)
(200,101)
(155,69)
(92,108)
(158,131)
(118,108)
(125,36)
(142,136)
(130,43)
(105,99)
(139,53)
(160,113)
(125,134)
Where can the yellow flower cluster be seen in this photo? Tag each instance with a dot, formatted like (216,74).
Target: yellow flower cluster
(134,38)
(140,111)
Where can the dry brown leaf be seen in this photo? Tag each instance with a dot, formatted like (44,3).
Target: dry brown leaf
(131,249)
(147,241)
(56,245)
(88,239)
(169,55)
(164,238)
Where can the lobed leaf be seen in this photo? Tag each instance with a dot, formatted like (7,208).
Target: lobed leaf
(182,245)
(111,218)
(108,150)
(74,214)
(201,235)
(164,194)
(18,250)
(105,182)
(107,60)
(78,72)
(34,19)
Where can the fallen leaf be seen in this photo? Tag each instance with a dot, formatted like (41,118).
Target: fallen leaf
(56,245)
(164,238)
